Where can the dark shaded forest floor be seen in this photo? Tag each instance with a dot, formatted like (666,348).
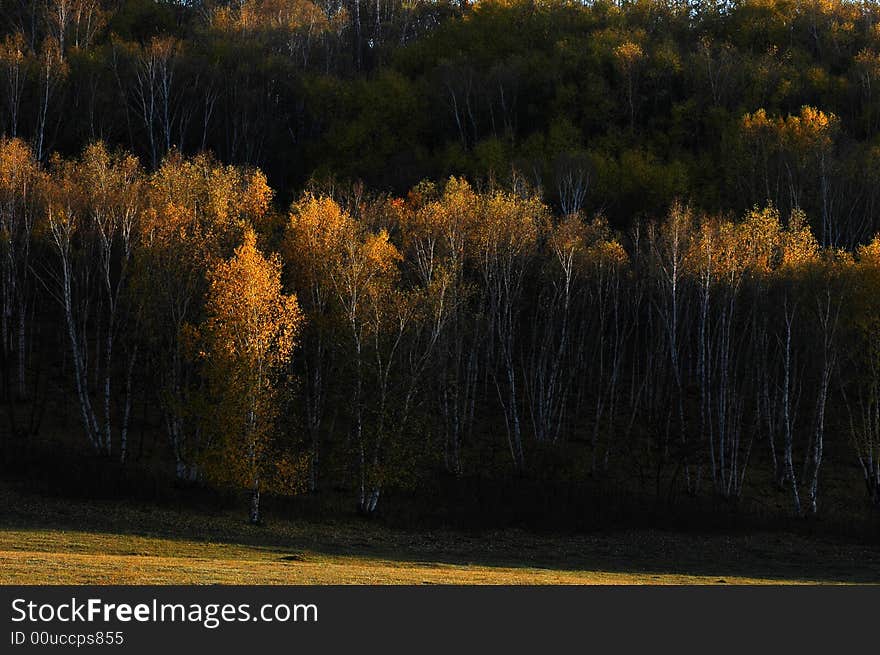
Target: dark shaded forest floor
(47,540)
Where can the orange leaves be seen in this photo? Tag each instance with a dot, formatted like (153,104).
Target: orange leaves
(52,59)
(13,49)
(509,226)
(274,15)
(249,334)
(100,194)
(317,230)
(628,54)
(196,212)
(568,238)
(810,130)
(331,252)
(203,205)
(759,245)
(161,49)
(762,237)
(870,254)
(380,255)
(18,167)
(722,249)
(757,124)
(578,245)
(800,247)
(251,322)
(256,196)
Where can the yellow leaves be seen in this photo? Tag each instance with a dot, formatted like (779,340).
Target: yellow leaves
(251,322)
(864,295)
(52,59)
(317,230)
(13,49)
(756,123)
(220,197)
(111,182)
(868,64)
(266,15)
(17,165)
(759,245)
(436,229)
(810,130)
(204,205)
(367,271)
(569,237)
(800,247)
(458,211)
(611,253)
(162,48)
(586,245)
(100,191)
(509,226)
(256,196)
(762,238)
(707,252)
(324,240)
(628,54)
(380,255)
(869,255)
(21,184)
(250,332)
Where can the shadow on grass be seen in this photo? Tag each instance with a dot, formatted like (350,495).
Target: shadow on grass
(773,556)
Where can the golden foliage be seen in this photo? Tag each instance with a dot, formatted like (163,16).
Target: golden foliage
(581,246)
(509,227)
(249,335)
(628,54)
(13,50)
(800,247)
(317,229)
(252,324)
(19,171)
(810,130)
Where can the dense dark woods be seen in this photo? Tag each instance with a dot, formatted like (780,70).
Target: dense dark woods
(515,260)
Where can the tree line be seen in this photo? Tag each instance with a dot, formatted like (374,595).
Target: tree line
(367,342)
(618,107)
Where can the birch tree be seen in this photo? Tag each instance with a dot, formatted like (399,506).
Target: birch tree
(504,244)
(21,180)
(14,60)
(250,334)
(94,205)
(435,239)
(317,230)
(375,319)
(197,211)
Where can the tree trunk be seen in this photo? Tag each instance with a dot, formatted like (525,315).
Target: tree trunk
(255,502)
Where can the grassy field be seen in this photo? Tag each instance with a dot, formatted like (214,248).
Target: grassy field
(53,541)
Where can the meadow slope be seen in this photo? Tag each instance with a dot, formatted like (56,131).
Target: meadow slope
(44,540)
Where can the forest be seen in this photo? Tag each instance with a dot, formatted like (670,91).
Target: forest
(573,261)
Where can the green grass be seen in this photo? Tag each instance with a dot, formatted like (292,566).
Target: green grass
(53,541)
